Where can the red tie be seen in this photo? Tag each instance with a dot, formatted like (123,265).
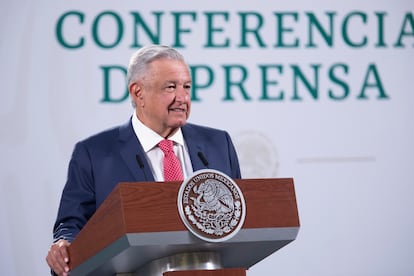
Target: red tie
(172,167)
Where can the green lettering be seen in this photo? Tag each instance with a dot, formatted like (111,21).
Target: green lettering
(119,29)
(282,30)
(229,82)
(178,29)
(380,41)
(346,28)
(211,29)
(340,82)
(253,30)
(196,83)
(59,30)
(266,82)
(298,75)
(154,37)
(375,84)
(108,72)
(315,24)
(408,22)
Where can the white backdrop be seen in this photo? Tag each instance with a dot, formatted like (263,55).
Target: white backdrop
(351,158)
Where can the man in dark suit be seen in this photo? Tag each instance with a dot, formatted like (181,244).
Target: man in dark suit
(159,84)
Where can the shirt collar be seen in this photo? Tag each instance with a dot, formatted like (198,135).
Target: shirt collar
(149,138)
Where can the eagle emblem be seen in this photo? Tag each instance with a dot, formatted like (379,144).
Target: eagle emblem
(211,205)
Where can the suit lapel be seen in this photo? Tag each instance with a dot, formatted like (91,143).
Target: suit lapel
(129,148)
(192,139)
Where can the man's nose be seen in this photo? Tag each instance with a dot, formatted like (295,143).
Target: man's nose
(181,95)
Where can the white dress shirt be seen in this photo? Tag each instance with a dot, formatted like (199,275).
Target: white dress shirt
(149,140)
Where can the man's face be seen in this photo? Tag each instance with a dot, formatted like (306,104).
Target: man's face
(163,97)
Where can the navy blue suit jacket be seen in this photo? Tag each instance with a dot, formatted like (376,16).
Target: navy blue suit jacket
(100,162)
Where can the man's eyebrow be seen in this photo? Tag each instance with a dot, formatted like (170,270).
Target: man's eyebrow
(176,81)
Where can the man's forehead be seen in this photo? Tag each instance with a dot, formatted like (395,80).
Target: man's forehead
(173,68)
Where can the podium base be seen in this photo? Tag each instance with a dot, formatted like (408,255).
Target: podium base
(215,272)
(181,262)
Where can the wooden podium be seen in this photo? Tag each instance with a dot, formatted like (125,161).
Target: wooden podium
(139,225)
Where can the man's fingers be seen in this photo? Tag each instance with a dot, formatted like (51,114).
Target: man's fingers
(58,257)
(53,261)
(63,249)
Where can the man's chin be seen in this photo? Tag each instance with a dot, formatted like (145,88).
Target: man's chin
(176,124)
(179,121)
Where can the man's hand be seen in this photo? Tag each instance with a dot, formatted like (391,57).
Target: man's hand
(58,257)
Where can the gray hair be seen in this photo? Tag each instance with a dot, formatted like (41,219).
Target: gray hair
(138,64)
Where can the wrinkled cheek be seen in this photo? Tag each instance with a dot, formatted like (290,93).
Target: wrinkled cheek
(188,111)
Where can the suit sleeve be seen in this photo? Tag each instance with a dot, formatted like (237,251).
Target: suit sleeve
(77,204)
(234,161)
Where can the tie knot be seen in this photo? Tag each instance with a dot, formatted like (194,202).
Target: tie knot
(166,146)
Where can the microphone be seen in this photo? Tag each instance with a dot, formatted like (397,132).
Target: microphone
(141,165)
(202,158)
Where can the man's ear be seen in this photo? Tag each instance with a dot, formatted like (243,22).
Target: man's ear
(132,89)
(135,91)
